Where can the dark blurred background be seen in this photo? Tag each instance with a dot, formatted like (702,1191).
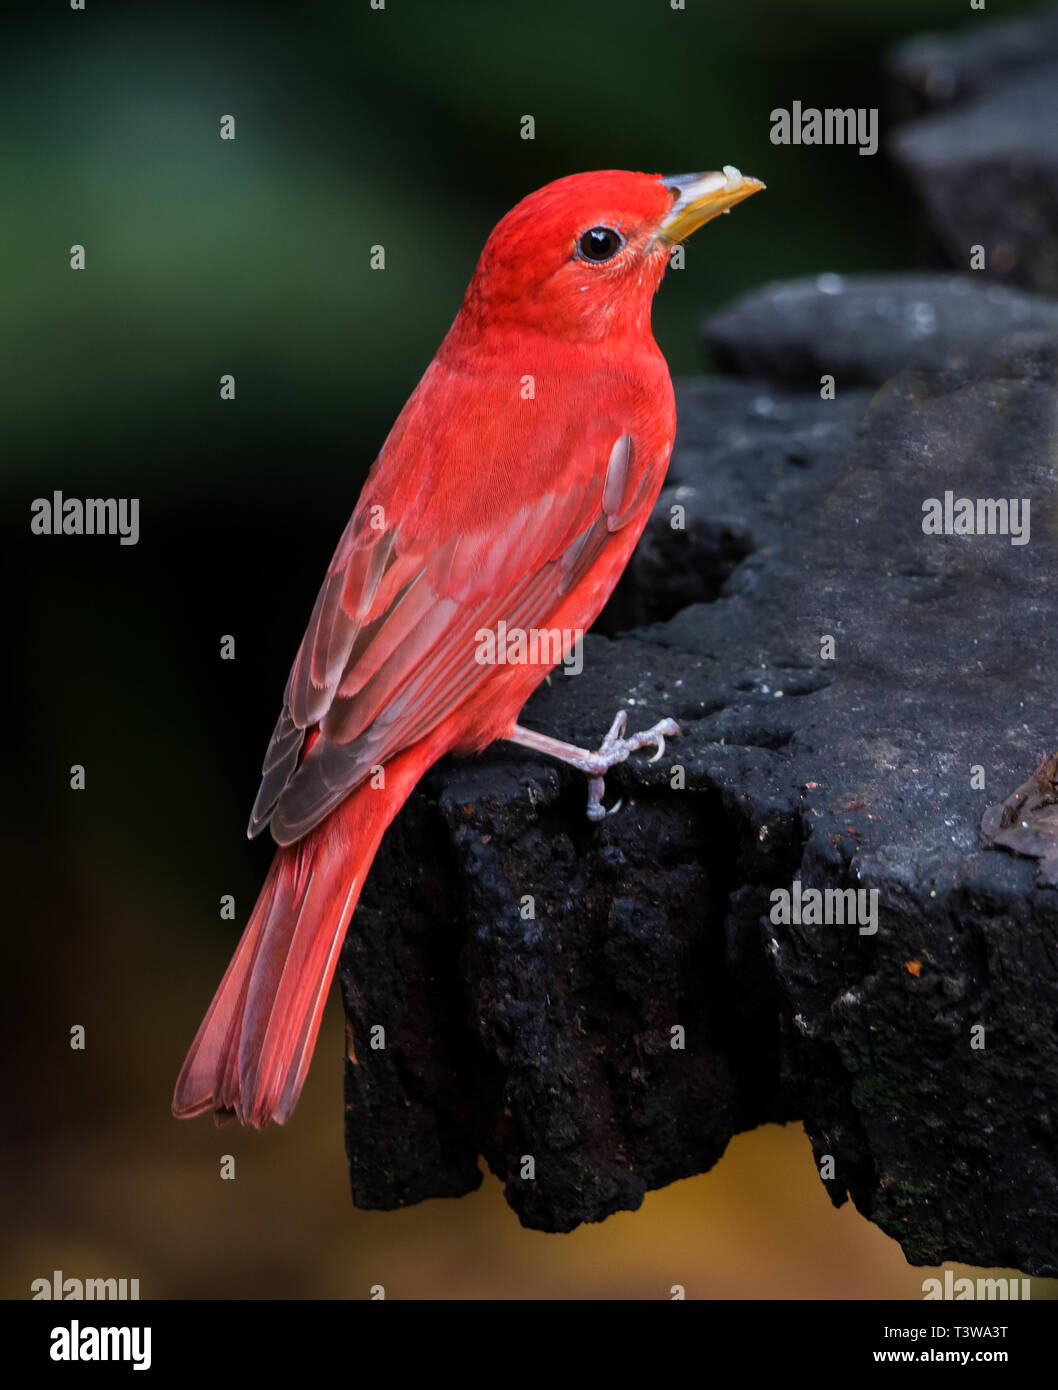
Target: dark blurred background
(206,257)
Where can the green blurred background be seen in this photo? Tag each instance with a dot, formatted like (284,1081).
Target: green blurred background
(205,257)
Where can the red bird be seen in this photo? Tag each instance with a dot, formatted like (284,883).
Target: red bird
(511,490)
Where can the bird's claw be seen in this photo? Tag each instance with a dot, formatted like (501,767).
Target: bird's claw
(614,749)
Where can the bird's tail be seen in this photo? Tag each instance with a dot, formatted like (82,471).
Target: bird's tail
(252,1051)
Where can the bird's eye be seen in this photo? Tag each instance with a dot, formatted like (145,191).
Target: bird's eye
(599,244)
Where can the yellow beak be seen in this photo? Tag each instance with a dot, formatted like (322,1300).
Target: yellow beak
(701,197)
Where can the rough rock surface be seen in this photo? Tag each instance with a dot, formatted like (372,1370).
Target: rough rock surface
(984,157)
(864,328)
(868,766)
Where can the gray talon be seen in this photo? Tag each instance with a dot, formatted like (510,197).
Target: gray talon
(618,726)
(614,749)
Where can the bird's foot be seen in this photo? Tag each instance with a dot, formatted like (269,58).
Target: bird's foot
(614,749)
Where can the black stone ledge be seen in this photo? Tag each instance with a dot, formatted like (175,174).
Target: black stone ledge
(550,1037)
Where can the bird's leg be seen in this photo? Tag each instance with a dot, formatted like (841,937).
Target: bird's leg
(615,749)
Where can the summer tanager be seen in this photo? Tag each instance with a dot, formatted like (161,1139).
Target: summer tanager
(511,491)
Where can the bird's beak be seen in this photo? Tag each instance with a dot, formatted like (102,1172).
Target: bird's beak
(701,197)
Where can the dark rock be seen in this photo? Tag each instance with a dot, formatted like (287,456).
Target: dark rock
(931,71)
(984,157)
(987,173)
(864,328)
(768,445)
(550,1036)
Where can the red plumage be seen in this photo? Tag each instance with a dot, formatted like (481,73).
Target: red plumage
(512,487)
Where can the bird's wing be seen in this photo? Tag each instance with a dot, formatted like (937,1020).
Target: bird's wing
(390,648)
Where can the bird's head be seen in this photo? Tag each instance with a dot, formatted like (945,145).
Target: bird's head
(583,256)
